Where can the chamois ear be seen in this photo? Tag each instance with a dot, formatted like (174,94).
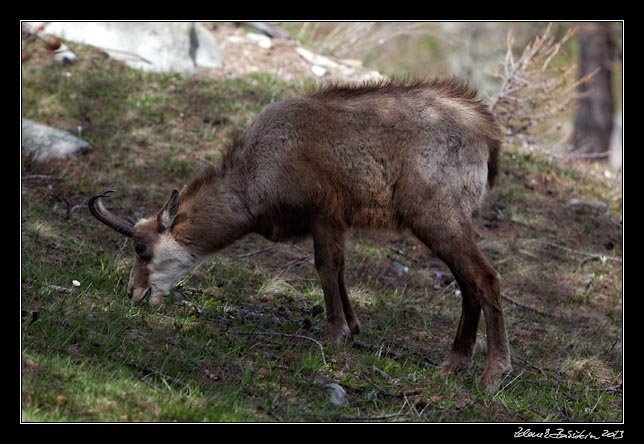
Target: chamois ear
(166,216)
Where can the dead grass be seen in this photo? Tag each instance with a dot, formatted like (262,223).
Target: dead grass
(591,369)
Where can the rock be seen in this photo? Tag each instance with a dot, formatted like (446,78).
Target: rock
(64,55)
(400,268)
(601,206)
(260,39)
(150,46)
(318,70)
(338,395)
(316,58)
(269,30)
(356,63)
(45,142)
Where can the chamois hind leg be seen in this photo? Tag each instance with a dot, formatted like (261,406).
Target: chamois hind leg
(480,289)
(349,314)
(328,245)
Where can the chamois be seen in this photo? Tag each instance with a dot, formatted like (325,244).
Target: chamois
(393,154)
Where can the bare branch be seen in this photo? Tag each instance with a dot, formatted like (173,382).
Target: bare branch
(601,257)
(148,369)
(533,91)
(402,253)
(528,307)
(253,253)
(286,335)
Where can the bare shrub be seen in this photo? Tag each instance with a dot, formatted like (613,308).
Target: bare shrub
(534,90)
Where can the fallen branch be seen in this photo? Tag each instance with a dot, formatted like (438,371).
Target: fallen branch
(583,261)
(383,392)
(402,253)
(253,253)
(601,257)
(295,261)
(370,418)
(148,369)
(615,388)
(40,177)
(242,312)
(598,205)
(287,335)
(60,289)
(71,208)
(528,307)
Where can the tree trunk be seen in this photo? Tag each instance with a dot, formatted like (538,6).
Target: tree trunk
(594,118)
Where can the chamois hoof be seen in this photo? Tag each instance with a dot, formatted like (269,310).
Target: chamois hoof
(455,363)
(491,378)
(338,334)
(354,327)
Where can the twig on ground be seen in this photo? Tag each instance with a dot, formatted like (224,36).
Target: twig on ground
(601,257)
(253,253)
(528,307)
(614,388)
(563,411)
(71,208)
(256,314)
(588,259)
(594,204)
(402,253)
(295,261)
(287,335)
(300,249)
(370,418)
(148,369)
(40,177)
(60,289)
(383,392)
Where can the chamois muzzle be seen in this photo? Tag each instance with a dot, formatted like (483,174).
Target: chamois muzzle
(108,218)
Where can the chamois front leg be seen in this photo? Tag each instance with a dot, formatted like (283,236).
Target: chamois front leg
(327,241)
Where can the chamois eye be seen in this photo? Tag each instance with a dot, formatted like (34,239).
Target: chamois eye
(140,248)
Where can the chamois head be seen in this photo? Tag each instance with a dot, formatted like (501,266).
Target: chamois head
(160,260)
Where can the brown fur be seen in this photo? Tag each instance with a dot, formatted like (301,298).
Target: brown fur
(409,153)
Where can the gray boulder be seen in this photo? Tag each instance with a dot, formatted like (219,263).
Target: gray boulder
(44,142)
(150,46)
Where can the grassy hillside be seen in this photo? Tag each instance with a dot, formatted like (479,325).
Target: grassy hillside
(238,339)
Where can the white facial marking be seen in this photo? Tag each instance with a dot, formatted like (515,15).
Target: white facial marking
(169,263)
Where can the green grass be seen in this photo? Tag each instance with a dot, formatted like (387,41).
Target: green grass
(239,350)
